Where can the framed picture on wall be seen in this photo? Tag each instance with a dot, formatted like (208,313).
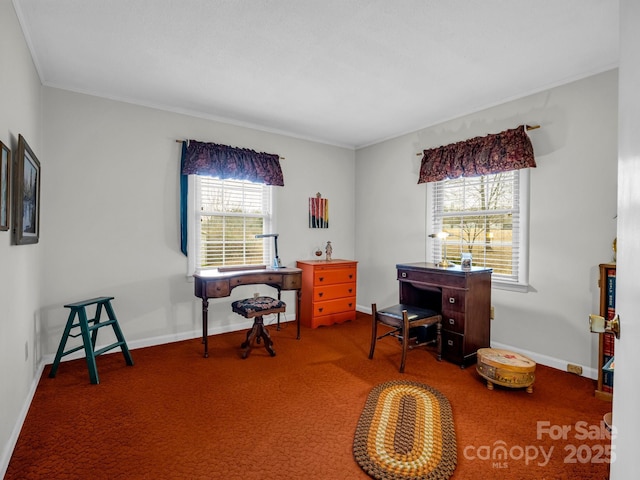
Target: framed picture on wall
(26,196)
(5,183)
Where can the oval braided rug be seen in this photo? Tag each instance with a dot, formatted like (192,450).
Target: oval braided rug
(406,432)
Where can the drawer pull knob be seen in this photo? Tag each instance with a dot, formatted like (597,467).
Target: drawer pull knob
(450,343)
(320,294)
(452,321)
(350,290)
(403,274)
(452,300)
(320,309)
(321,279)
(350,304)
(350,275)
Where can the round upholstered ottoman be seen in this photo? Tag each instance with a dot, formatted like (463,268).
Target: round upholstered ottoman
(505,368)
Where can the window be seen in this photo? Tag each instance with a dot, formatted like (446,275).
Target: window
(224,218)
(487,217)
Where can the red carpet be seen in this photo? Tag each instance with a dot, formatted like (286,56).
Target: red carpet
(176,415)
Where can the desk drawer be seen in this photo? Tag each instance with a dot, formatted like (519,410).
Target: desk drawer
(331,292)
(292,282)
(452,347)
(433,278)
(331,276)
(453,300)
(253,279)
(334,306)
(218,288)
(453,321)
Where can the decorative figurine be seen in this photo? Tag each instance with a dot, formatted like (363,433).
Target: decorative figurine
(328,250)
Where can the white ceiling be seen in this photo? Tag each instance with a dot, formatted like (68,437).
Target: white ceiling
(343,72)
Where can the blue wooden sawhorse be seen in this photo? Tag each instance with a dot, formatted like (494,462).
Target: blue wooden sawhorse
(89,341)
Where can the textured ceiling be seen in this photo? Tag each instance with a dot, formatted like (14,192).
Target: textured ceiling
(343,72)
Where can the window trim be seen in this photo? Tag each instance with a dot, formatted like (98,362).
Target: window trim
(193,233)
(522,285)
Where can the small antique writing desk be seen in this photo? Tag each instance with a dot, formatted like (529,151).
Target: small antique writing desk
(218,284)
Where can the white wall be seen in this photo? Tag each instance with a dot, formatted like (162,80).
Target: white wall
(112,223)
(20,266)
(573,204)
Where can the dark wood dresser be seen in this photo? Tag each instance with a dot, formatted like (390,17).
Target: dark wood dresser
(462,297)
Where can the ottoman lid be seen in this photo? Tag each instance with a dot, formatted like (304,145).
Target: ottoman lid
(512,361)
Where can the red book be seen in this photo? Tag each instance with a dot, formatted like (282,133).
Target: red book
(608,344)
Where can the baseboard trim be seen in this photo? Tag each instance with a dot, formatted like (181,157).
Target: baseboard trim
(7,451)
(548,361)
(178,337)
(133,345)
(557,363)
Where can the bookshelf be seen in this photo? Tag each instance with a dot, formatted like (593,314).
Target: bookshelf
(606,342)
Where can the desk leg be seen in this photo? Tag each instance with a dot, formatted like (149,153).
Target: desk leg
(279,298)
(205,326)
(299,296)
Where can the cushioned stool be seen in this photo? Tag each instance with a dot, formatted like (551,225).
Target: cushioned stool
(255,308)
(403,320)
(505,368)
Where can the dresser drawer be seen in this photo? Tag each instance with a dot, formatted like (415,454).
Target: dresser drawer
(453,321)
(330,276)
(453,300)
(327,320)
(331,292)
(334,306)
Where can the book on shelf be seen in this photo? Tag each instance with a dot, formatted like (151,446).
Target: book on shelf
(607,340)
(607,374)
(611,293)
(608,367)
(608,344)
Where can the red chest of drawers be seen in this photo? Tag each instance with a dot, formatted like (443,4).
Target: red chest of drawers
(328,292)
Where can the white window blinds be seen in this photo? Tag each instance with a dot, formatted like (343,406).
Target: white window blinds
(483,216)
(228,216)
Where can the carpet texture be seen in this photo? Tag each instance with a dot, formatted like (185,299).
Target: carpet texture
(177,415)
(406,432)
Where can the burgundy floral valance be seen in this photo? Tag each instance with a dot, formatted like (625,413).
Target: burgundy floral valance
(225,162)
(500,152)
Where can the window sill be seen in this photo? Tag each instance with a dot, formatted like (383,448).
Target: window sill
(511,287)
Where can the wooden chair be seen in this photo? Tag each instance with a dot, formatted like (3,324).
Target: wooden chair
(402,319)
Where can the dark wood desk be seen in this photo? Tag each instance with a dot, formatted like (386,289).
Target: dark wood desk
(462,297)
(216,284)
